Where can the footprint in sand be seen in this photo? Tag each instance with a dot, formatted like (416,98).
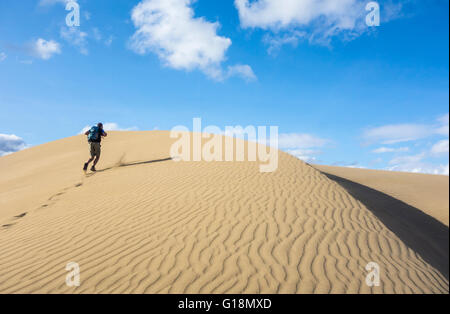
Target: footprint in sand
(7,226)
(55,196)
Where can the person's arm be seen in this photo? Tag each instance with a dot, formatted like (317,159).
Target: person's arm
(86,133)
(104,134)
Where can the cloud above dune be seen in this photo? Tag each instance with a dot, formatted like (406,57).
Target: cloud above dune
(398,133)
(443,128)
(169,29)
(3,56)
(301,145)
(304,146)
(345,164)
(417,164)
(423,158)
(392,134)
(300,140)
(10,143)
(440,148)
(307,155)
(109,126)
(383,150)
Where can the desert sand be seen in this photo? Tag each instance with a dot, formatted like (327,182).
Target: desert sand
(148,224)
(429,193)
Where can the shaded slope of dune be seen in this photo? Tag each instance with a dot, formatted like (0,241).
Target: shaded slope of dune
(429,193)
(148,224)
(424,234)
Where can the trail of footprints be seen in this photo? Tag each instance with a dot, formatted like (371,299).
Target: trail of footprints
(51,201)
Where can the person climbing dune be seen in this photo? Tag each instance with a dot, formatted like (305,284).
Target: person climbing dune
(94,136)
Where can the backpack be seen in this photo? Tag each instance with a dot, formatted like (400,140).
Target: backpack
(94,134)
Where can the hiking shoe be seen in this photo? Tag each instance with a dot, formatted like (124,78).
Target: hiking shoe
(85,166)
(93,169)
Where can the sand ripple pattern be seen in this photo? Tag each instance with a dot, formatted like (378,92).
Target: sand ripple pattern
(198,227)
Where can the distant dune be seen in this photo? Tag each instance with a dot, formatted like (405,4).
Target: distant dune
(429,193)
(414,206)
(148,224)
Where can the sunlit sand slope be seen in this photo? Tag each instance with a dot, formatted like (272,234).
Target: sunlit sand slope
(147,224)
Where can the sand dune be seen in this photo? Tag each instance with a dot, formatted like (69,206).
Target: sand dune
(148,224)
(388,195)
(429,193)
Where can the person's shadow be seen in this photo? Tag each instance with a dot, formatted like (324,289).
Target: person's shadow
(131,164)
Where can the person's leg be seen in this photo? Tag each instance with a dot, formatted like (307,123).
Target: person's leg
(97,152)
(96,160)
(86,165)
(95,163)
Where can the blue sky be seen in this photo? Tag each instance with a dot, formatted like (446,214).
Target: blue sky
(342,93)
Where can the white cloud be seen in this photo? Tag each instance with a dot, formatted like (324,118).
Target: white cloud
(10,143)
(301,145)
(391,134)
(421,162)
(442,147)
(317,21)
(169,29)
(51,2)
(417,164)
(443,129)
(45,49)
(354,164)
(307,155)
(355,167)
(275,42)
(75,37)
(279,14)
(3,56)
(407,159)
(300,140)
(243,71)
(383,150)
(445,170)
(110,126)
(398,133)
(421,168)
